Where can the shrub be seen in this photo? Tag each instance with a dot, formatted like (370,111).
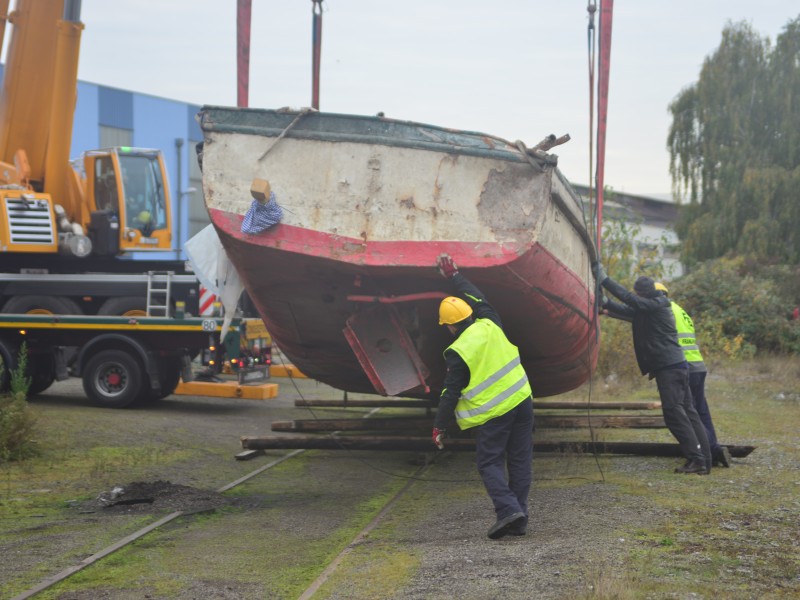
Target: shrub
(616,357)
(20,382)
(17,421)
(737,305)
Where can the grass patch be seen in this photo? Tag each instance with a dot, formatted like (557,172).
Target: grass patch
(379,568)
(45,483)
(736,529)
(730,535)
(261,545)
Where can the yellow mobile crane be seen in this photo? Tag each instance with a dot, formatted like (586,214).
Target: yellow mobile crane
(64,226)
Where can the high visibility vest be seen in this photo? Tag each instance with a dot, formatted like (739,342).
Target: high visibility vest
(687,338)
(497,381)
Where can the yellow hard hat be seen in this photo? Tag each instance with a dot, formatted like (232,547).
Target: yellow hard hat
(144,216)
(453,310)
(661,287)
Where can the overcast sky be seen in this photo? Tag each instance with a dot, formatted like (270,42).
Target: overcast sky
(517,69)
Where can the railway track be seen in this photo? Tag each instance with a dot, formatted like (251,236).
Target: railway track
(277,495)
(160,523)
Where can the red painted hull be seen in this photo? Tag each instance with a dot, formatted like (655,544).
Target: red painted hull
(307,284)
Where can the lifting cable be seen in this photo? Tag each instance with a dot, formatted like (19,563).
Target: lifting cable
(590,38)
(593,304)
(604,64)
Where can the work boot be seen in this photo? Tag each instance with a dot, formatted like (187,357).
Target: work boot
(722,456)
(519,528)
(502,526)
(694,466)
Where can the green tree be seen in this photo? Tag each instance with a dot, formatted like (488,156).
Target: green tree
(734,146)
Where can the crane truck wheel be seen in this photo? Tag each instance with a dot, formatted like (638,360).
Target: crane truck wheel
(113,379)
(169,376)
(42,371)
(8,362)
(41,305)
(125,306)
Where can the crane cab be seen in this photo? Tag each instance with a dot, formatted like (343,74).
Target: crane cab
(126,189)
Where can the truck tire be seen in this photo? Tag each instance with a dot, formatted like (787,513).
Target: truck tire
(41,305)
(113,378)
(125,306)
(169,375)
(8,362)
(42,371)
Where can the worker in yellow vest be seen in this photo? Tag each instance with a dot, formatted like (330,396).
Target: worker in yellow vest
(659,356)
(687,339)
(486,389)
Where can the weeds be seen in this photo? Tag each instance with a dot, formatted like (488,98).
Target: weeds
(606,584)
(17,421)
(20,383)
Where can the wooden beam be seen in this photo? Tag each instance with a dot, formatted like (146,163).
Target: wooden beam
(599,421)
(424,444)
(580,405)
(537,405)
(396,424)
(382,403)
(413,423)
(248,454)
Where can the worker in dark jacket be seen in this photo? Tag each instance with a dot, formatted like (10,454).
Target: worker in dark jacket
(487,389)
(655,342)
(687,338)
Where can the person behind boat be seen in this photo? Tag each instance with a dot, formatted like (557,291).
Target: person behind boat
(697,376)
(486,389)
(658,354)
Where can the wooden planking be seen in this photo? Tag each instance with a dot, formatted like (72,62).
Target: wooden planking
(424,444)
(405,424)
(543,405)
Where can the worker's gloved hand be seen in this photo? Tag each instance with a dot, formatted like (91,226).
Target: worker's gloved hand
(437,437)
(604,302)
(446,266)
(599,272)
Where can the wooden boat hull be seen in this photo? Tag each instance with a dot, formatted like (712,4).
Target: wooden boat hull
(347,284)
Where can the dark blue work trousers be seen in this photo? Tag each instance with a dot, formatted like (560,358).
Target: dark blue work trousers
(681,416)
(507,442)
(697,383)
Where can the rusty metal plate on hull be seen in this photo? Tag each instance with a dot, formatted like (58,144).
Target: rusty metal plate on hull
(385,351)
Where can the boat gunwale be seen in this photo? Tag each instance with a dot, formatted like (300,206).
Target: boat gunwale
(448,144)
(511,148)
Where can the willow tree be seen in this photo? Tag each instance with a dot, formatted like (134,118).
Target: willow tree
(734,146)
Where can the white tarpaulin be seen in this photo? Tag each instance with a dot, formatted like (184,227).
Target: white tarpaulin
(215,271)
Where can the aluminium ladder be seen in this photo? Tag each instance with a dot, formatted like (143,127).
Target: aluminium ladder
(159,284)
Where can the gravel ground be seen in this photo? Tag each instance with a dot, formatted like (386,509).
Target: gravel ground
(279,520)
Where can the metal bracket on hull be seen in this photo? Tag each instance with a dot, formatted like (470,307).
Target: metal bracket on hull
(385,351)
